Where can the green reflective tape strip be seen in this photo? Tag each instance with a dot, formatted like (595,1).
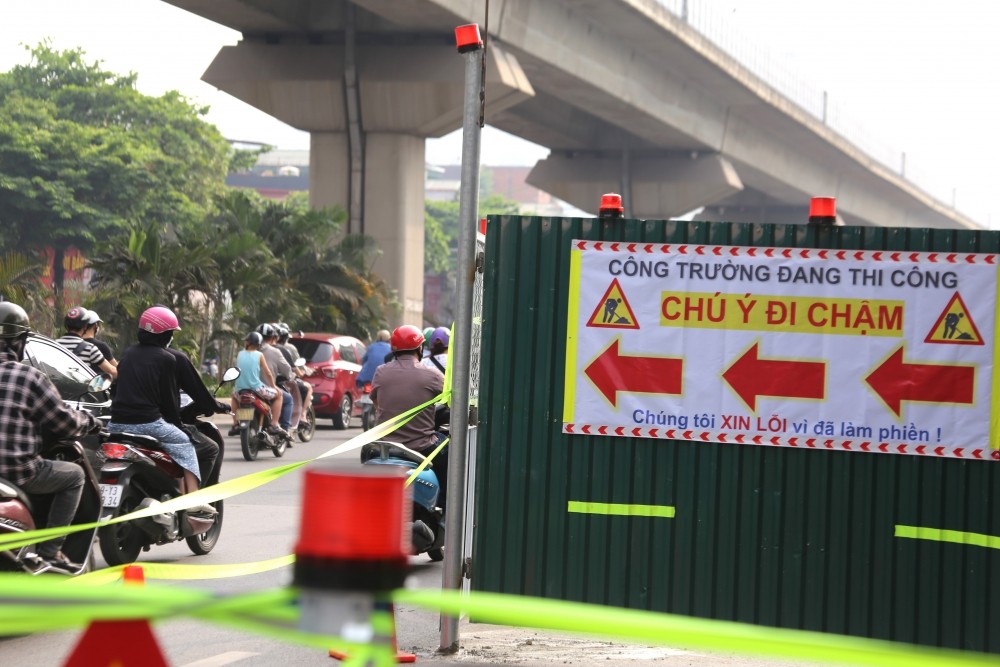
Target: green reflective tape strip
(685,631)
(223,490)
(617,509)
(954,536)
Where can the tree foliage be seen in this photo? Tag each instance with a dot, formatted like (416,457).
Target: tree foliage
(83,154)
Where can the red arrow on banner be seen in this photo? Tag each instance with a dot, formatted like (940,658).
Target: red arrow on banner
(750,377)
(612,373)
(895,381)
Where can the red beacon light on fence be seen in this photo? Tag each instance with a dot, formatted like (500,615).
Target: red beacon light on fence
(611,206)
(822,211)
(467,38)
(353,544)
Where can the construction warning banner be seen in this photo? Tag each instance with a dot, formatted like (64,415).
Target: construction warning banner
(875,351)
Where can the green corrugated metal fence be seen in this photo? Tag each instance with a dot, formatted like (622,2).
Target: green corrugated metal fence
(775,536)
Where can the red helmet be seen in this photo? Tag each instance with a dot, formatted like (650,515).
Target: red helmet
(406,337)
(158,319)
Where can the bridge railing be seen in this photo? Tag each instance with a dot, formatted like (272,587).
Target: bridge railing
(718,26)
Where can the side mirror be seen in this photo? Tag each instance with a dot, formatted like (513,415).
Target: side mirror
(99,383)
(231,374)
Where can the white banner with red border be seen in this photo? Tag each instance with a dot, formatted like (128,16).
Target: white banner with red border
(850,350)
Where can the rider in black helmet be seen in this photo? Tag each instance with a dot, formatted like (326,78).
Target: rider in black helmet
(29,406)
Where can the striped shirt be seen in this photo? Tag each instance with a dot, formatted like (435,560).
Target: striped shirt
(84,349)
(29,400)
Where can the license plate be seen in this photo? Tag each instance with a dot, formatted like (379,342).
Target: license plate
(244,414)
(111,495)
(364,400)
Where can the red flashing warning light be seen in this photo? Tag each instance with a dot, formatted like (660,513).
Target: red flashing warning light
(482,226)
(611,206)
(467,38)
(822,211)
(354,516)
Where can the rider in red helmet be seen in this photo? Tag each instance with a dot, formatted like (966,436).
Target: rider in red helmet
(147,400)
(405,383)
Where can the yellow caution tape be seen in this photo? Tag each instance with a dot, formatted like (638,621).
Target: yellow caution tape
(685,631)
(186,571)
(953,536)
(426,462)
(34,604)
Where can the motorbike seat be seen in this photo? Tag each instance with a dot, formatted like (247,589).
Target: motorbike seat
(257,394)
(389,450)
(145,441)
(10,490)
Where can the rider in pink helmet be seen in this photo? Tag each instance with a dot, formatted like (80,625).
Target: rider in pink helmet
(158,319)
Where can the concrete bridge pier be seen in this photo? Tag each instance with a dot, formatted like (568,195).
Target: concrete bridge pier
(369,106)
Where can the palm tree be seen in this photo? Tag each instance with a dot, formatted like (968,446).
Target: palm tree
(20,282)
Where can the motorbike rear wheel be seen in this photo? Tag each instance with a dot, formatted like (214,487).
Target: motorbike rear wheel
(121,543)
(204,543)
(249,440)
(367,418)
(280,445)
(307,427)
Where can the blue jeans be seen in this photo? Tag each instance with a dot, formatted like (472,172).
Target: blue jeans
(172,440)
(285,420)
(65,481)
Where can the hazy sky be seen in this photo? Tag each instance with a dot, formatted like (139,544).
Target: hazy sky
(914,75)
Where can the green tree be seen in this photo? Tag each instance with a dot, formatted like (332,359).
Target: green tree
(20,282)
(83,154)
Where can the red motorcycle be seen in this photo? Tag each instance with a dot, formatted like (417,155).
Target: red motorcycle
(254,416)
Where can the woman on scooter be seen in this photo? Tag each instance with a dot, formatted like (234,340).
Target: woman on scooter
(146,402)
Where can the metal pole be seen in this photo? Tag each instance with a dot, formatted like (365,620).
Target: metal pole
(462,345)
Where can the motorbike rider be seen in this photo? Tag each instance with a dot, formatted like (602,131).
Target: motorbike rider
(256,376)
(403,384)
(305,389)
(93,324)
(76,323)
(280,369)
(377,354)
(30,405)
(438,348)
(147,400)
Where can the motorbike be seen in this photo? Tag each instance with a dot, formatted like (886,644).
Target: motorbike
(367,407)
(22,512)
(254,416)
(136,474)
(427,529)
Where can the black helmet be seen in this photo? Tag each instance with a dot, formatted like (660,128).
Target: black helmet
(266,330)
(254,339)
(13,320)
(76,318)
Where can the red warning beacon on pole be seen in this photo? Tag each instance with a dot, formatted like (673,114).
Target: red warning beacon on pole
(467,38)
(353,545)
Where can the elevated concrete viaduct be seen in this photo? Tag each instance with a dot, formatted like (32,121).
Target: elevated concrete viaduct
(626,95)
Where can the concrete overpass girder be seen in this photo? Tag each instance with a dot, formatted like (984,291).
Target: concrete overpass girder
(660,186)
(414,90)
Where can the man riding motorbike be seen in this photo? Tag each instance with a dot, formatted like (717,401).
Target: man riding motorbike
(77,322)
(281,370)
(30,405)
(147,400)
(256,376)
(404,383)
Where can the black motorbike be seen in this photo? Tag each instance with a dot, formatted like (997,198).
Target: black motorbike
(136,474)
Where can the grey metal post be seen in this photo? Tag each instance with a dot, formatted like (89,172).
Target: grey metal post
(459,358)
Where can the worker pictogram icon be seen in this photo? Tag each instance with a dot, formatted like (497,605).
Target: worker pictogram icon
(613,310)
(954,326)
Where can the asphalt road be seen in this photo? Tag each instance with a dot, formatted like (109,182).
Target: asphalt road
(263,524)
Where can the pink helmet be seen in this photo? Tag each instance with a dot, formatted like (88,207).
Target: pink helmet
(158,319)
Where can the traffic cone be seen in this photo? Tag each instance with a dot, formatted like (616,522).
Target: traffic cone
(128,643)
(401,656)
